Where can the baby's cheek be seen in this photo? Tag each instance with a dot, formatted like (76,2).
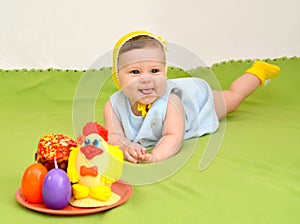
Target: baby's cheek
(162,86)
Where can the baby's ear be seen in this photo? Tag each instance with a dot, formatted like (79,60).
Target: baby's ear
(80,139)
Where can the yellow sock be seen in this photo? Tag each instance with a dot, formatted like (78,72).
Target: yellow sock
(263,70)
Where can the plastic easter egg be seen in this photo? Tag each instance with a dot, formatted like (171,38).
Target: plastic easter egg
(32,182)
(56,189)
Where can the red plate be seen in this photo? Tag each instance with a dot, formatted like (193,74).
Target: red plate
(123,189)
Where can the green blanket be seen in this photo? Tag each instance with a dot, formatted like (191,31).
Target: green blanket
(254,178)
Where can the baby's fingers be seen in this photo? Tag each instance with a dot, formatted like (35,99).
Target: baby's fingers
(130,155)
(140,153)
(148,158)
(140,150)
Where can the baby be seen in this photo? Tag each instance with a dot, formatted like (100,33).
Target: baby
(150,110)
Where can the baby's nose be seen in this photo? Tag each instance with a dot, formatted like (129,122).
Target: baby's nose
(145,78)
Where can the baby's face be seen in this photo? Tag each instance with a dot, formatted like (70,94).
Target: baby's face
(142,74)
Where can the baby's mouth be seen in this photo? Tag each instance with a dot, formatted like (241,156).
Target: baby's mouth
(147,91)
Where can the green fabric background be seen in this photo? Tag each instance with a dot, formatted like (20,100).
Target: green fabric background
(255,177)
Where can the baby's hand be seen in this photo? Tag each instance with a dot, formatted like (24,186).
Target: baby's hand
(148,158)
(134,152)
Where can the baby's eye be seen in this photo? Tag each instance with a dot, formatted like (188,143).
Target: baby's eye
(135,72)
(155,70)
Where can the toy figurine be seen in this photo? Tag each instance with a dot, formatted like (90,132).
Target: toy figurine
(93,167)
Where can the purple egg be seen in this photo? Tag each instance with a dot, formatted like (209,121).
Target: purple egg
(56,189)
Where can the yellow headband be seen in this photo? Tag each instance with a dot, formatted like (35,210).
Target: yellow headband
(120,43)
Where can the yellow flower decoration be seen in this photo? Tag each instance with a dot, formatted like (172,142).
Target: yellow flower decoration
(143,108)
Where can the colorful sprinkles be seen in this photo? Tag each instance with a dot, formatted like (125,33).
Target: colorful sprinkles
(56,146)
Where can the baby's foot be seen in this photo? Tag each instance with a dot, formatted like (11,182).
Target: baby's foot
(264,71)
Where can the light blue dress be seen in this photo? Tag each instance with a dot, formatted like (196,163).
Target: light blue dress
(197,98)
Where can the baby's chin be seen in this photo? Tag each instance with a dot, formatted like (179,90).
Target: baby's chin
(148,100)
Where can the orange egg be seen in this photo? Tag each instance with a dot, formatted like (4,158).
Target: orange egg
(32,182)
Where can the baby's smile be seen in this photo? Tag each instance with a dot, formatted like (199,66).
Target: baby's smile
(147,91)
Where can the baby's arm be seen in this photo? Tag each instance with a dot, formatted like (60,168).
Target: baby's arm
(173,132)
(132,151)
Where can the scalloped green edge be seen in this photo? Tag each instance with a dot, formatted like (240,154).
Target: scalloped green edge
(248,61)
(175,69)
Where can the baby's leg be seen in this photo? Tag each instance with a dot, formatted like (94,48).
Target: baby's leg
(227,101)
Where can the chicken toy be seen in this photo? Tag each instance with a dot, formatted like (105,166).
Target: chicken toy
(93,167)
